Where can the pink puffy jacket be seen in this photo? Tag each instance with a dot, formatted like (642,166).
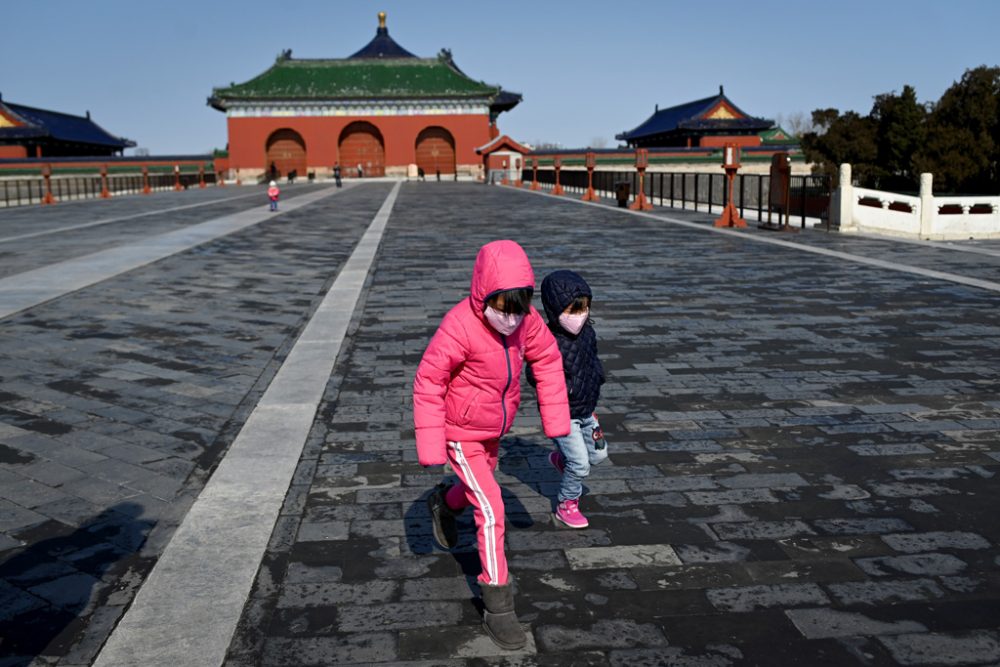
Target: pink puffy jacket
(468,384)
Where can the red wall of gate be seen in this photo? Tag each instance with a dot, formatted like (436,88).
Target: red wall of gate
(321,135)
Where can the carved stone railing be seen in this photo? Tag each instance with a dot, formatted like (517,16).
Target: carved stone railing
(924,217)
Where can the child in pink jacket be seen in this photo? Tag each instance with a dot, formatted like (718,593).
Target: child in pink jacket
(465,394)
(272,195)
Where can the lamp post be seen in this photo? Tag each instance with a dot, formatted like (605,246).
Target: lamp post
(504,180)
(534,174)
(201,176)
(47,175)
(105,193)
(557,163)
(517,169)
(641,162)
(145,180)
(177,177)
(731,163)
(591,161)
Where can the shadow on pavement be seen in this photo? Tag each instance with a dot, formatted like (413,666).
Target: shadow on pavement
(420,539)
(47,587)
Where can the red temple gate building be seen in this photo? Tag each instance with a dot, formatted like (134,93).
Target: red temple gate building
(382,109)
(712,121)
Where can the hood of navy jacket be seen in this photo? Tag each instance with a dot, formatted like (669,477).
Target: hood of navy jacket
(559,289)
(500,265)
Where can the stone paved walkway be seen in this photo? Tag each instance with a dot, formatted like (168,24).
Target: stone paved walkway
(804,448)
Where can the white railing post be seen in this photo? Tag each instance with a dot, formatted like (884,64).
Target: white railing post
(927,208)
(844,200)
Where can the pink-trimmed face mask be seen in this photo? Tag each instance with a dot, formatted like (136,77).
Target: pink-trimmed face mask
(504,324)
(573,322)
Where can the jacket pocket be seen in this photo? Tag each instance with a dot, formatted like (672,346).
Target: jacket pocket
(468,410)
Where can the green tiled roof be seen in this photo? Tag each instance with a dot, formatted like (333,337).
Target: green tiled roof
(358,78)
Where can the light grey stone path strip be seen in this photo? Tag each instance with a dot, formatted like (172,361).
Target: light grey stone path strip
(122,218)
(188,608)
(859,259)
(31,288)
(945,245)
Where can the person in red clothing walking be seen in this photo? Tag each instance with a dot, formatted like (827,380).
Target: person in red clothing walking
(465,394)
(272,194)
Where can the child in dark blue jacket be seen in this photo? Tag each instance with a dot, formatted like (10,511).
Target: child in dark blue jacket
(566,298)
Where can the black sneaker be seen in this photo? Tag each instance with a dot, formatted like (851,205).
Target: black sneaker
(442,518)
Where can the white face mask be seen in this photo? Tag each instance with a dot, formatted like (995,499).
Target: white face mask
(504,324)
(573,323)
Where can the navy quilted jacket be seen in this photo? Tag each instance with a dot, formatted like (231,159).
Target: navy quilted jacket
(584,372)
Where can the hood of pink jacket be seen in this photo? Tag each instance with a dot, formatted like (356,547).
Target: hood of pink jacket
(500,265)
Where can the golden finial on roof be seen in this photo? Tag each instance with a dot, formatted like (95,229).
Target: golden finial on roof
(381,20)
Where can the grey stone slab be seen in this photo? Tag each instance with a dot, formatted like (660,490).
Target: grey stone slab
(334,594)
(605,633)
(638,555)
(749,598)
(929,541)
(885,591)
(359,648)
(862,526)
(901,449)
(397,616)
(761,530)
(831,623)
(943,649)
(931,564)
(733,497)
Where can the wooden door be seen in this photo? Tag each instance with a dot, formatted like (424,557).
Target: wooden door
(287,152)
(436,151)
(361,143)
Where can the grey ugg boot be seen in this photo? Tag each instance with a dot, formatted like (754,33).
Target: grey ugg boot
(499,618)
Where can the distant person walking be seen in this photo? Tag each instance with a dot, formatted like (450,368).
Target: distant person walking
(336,174)
(361,171)
(465,395)
(272,194)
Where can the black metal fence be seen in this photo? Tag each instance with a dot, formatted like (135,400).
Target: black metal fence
(31,190)
(809,196)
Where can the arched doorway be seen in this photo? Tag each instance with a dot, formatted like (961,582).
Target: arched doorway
(361,143)
(436,151)
(287,152)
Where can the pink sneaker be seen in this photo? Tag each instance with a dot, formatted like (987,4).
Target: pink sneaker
(568,511)
(556,459)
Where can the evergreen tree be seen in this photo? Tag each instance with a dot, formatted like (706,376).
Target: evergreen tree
(963,135)
(900,132)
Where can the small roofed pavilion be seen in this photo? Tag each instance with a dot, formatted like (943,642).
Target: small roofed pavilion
(712,121)
(503,158)
(29,132)
(380,111)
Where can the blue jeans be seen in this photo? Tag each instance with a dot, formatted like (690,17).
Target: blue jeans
(579,451)
(274,204)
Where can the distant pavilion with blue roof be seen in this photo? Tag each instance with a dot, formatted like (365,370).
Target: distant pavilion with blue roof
(29,132)
(712,121)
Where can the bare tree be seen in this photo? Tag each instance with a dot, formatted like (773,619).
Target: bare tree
(796,123)
(598,142)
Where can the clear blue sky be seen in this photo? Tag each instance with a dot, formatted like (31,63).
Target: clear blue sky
(587,69)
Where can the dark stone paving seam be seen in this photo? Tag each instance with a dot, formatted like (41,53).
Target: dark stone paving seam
(203,579)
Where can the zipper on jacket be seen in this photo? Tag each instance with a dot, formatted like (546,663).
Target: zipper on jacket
(503,394)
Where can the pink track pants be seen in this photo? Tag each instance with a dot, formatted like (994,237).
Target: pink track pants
(474,463)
